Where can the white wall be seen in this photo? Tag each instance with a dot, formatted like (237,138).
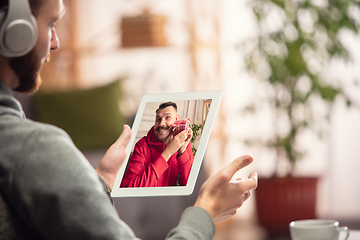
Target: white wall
(344,141)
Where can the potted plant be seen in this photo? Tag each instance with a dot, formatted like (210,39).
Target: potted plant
(288,58)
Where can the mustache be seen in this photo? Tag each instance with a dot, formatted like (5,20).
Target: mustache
(162,128)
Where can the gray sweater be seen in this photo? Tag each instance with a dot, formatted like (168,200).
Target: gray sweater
(48,184)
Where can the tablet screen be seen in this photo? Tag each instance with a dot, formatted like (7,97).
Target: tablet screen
(158,161)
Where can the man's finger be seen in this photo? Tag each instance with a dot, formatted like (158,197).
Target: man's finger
(125,136)
(250,183)
(182,135)
(237,164)
(253,179)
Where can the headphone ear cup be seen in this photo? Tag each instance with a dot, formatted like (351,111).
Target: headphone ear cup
(18,32)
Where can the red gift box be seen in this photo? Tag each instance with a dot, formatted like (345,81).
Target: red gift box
(180,125)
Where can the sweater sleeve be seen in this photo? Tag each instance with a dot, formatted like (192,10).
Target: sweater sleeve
(142,170)
(185,162)
(58,193)
(195,223)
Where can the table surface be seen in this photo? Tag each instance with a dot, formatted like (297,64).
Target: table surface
(354,235)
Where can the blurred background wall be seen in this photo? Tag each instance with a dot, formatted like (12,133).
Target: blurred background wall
(199,50)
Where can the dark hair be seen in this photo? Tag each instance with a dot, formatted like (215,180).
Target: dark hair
(34,4)
(167,104)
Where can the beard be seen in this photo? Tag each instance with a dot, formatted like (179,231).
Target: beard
(27,68)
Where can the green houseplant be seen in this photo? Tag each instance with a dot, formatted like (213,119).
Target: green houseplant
(295,40)
(196,128)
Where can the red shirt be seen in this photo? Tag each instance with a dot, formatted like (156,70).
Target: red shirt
(148,168)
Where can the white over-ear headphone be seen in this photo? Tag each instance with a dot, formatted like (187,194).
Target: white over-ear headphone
(18,30)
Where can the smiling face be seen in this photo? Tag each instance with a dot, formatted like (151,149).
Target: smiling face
(165,117)
(28,67)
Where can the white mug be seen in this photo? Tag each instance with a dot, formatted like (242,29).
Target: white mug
(316,229)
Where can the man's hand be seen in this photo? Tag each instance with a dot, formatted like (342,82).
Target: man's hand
(187,141)
(220,196)
(114,157)
(174,143)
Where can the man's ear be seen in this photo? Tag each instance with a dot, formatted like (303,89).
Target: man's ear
(177,117)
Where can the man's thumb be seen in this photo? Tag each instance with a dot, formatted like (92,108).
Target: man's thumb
(125,136)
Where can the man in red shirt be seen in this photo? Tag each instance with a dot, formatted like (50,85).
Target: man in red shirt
(160,158)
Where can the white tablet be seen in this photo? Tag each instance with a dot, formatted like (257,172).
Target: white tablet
(145,171)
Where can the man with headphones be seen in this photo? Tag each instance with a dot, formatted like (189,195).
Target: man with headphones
(48,190)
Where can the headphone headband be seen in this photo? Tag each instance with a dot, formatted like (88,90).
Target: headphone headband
(18,30)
